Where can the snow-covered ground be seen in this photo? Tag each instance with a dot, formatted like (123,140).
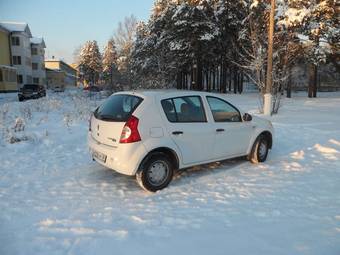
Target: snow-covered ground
(55,200)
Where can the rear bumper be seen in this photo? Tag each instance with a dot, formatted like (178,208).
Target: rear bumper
(28,96)
(124,159)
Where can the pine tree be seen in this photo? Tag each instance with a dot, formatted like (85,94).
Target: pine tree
(232,23)
(316,24)
(152,65)
(90,62)
(178,42)
(193,39)
(110,71)
(143,59)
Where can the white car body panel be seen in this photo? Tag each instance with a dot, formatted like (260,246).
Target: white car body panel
(200,142)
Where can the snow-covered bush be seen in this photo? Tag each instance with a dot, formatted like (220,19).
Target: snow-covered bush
(24,121)
(19,125)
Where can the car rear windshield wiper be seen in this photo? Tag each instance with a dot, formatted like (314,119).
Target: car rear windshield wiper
(107,117)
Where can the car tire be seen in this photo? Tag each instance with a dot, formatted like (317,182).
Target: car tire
(259,151)
(155,173)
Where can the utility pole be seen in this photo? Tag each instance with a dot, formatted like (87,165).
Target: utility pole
(267,106)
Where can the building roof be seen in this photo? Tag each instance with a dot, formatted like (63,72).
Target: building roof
(54,70)
(3,29)
(16,27)
(37,40)
(61,61)
(8,67)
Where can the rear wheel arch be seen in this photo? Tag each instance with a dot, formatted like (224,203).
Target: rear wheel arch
(170,153)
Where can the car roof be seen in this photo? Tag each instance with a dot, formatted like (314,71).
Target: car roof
(164,93)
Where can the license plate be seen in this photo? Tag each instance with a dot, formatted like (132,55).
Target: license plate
(100,156)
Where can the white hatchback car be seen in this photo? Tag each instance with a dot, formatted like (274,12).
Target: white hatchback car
(151,133)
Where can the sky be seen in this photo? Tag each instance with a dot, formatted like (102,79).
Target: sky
(66,24)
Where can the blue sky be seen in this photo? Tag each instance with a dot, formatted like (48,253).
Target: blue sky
(66,24)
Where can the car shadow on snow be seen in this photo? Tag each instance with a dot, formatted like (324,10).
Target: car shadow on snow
(100,176)
(199,171)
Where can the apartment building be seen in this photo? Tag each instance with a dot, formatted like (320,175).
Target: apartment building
(8,74)
(20,49)
(38,57)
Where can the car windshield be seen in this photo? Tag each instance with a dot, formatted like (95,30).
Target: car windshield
(117,108)
(31,86)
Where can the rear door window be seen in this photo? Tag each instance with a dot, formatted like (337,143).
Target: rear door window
(31,87)
(184,109)
(117,108)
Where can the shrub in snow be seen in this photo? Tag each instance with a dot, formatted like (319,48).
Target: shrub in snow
(26,111)
(17,139)
(67,119)
(19,125)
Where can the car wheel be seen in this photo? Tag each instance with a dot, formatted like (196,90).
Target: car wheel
(155,173)
(259,151)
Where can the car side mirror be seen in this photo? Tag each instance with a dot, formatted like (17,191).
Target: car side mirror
(247,117)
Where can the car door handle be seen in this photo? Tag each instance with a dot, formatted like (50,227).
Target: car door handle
(220,130)
(177,133)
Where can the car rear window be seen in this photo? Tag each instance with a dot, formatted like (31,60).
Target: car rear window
(117,108)
(31,86)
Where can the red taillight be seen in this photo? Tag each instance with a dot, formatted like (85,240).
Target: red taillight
(130,132)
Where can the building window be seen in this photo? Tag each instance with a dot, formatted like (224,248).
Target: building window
(19,79)
(34,51)
(28,61)
(8,75)
(16,60)
(12,76)
(35,80)
(15,41)
(35,66)
(28,79)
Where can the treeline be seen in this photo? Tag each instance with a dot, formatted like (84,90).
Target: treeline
(217,44)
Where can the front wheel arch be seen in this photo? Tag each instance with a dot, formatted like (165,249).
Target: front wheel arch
(269,138)
(253,155)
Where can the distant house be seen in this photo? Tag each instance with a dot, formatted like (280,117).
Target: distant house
(58,73)
(20,49)
(55,79)
(80,75)
(8,74)
(38,57)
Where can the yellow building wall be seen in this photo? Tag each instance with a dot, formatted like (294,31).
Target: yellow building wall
(52,65)
(8,79)
(4,49)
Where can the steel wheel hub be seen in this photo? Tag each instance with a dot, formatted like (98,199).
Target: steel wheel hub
(262,150)
(158,173)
